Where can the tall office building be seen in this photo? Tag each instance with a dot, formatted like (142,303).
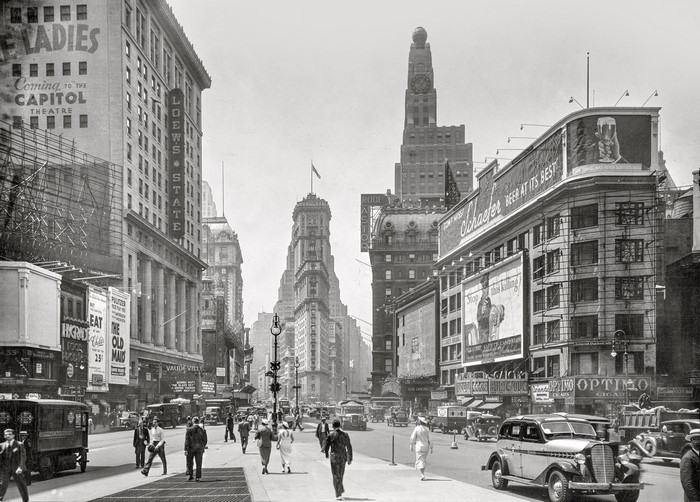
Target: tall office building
(121,82)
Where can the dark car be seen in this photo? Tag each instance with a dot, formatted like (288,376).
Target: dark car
(376,414)
(564,455)
(398,418)
(668,443)
(129,419)
(486,427)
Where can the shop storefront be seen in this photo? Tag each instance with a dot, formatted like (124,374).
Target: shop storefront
(29,372)
(597,395)
(498,396)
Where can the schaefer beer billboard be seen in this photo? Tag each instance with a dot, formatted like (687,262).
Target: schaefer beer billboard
(493,314)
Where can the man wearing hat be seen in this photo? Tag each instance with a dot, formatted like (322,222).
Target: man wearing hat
(195,443)
(420,443)
(338,443)
(12,463)
(229,428)
(265,437)
(690,468)
(244,431)
(322,432)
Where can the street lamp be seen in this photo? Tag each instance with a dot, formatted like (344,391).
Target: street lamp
(275,329)
(296,381)
(624,344)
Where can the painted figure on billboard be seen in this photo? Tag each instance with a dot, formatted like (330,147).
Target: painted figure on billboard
(483,311)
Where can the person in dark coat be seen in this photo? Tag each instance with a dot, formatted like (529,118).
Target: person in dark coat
(690,468)
(195,443)
(141,439)
(338,442)
(244,432)
(229,428)
(266,437)
(12,464)
(322,432)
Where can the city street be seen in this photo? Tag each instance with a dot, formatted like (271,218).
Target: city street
(111,468)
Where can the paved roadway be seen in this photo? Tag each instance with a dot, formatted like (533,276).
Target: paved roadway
(112,467)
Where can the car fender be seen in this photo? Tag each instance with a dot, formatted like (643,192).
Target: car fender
(652,441)
(630,469)
(556,466)
(501,457)
(640,447)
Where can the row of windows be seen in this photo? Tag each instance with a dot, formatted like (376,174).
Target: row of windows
(32,14)
(50,70)
(586,328)
(586,290)
(67,120)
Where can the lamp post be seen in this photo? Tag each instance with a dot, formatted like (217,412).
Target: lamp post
(296,381)
(275,330)
(623,343)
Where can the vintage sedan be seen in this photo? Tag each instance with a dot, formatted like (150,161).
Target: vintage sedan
(564,455)
(668,443)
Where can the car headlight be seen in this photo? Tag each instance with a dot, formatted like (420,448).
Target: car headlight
(580,458)
(638,437)
(624,458)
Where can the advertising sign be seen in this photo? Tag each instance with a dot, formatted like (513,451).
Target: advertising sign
(176,134)
(611,387)
(540,393)
(207,387)
(416,330)
(74,353)
(502,194)
(561,388)
(119,336)
(184,386)
(369,201)
(97,345)
(609,139)
(492,311)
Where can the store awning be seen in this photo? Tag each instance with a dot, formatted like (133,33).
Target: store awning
(248,389)
(490,406)
(89,403)
(466,400)
(474,403)
(104,403)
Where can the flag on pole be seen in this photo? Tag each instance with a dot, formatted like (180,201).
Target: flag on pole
(313,169)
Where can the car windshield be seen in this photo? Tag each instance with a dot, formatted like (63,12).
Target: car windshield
(568,429)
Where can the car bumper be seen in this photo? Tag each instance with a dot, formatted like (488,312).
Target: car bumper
(606,487)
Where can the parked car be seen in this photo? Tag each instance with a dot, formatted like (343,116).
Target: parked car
(485,427)
(129,419)
(563,455)
(398,418)
(667,444)
(212,415)
(376,414)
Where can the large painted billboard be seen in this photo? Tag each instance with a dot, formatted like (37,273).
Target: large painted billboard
(119,336)
(609,139)
(416,348)
(500,195)
(492,311)
(97,355)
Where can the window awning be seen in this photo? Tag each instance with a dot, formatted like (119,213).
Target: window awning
(474,403)
(490,406)
(104,403)
(466,400)
(248,389)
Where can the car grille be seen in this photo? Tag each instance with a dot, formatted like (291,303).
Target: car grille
(602,463)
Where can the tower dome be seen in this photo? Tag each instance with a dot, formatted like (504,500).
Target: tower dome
(420,36)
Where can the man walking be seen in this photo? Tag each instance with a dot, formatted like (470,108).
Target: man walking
(229,428)
(322,432)
(338,443)
(690,468)
(244,432)
(141,437)
(157,447)
(12,463)
(195,443)
(297,421)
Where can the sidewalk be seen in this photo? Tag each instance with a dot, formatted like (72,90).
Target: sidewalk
(367,478)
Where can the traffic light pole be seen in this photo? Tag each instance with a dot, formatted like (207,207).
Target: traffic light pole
(275,330)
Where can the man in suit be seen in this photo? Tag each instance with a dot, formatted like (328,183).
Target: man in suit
(141,439)
(338,443)
(322,432)
(229,428)
(12,463)
(195,443)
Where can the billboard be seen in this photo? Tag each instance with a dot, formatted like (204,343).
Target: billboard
(119,336)
(492,312)
(609,139)
(176,155)
(97,355)
(500,195)
(416,348)
(368,203)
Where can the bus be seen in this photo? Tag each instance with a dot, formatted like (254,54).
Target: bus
(351,414)
(216,409)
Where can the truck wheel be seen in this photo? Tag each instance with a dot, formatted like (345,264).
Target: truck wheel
(46,467)
(83,460)
(497,476)
(631,495)
(558,487)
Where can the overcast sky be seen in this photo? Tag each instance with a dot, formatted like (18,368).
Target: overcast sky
(296,81)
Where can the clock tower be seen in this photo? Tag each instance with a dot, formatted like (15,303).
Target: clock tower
(421,98)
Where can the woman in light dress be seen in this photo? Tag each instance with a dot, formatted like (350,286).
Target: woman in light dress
(421,445)
(284,445)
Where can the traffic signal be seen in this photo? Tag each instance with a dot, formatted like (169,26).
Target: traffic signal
(275,365)
(275,387)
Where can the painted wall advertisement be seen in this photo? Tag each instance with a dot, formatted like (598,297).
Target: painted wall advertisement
(493,314)
(609,139)
(416,348)
(503,194)
(97,356)
(368,202)
(119,336)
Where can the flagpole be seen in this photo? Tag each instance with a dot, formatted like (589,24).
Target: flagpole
(312,175)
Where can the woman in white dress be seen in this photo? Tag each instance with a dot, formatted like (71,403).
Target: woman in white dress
(285,438)
(421,445)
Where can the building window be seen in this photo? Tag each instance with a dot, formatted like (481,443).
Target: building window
(388,367)
(629,288)
(128,151)
(584,216)
(387,292)
(387,258)
(634,361)
(584,327)
(553,296)
(17,122)
(33,70)
(411,274)
(631,324)
(127,15)
(552,366)
(539,334)
(82,68)
(66,69)
(83,121)
(128,75)
(538,267)
(49,70)
(50,122)
(630,213)
(584,253)
(66,121)
(65,12)
(128,126)
(81,12)
(538,303)
(128,177)
(553,227)
(48,14)
(16,70)
(538,366)
(584,290)
(553,328)
(34,122)
(584,363)
(387,275)
(32,14)
(629,250)
(128,204)
(553,261)
(128,101)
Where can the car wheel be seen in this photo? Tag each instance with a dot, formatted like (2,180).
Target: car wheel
(46,467)
(650,447)
(83,460)
(558,487)
(497,476)
(628,495)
